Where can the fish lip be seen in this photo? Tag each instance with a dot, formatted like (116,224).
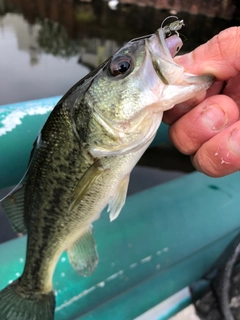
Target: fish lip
(167,70)
(170,45)
(189,78)
(158,45)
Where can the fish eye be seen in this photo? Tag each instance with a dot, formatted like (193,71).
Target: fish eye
(120,65)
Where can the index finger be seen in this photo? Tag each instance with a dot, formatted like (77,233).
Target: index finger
(220,56)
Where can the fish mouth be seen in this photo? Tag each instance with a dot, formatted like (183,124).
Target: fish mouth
(179,85)
(162,50)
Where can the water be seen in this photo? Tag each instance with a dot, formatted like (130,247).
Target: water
(48,45)
(26,70)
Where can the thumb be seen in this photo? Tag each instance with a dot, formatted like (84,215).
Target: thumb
(220,56)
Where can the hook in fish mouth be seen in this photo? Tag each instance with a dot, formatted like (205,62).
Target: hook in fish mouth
(162,50)
(168,29)
(163,46)
(173,26)
(177,85)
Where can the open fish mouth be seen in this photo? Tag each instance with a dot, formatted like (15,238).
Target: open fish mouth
(162,50)
(163,47)
(178,85)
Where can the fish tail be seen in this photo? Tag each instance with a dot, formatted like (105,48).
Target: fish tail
(17,305)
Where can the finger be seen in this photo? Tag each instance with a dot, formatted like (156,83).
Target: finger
(171,115)
(220,56)
(216,88)
(232,89)
(210,117)
(220,155)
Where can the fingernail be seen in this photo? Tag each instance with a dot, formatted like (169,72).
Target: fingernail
(214,117)
(234,141)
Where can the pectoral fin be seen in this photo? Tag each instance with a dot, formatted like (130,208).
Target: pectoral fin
(83,254)
(14,208)
(86,183)
(118,200)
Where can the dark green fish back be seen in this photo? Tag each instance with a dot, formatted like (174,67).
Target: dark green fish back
(58,163)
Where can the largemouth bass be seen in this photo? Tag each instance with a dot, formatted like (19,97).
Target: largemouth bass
(82,159)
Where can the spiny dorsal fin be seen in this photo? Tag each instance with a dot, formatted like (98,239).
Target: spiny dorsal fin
(14,208)
(83,254)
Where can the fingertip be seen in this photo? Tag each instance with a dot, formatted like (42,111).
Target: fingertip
(186,60)
(203,162)
(220,155)
(202,123)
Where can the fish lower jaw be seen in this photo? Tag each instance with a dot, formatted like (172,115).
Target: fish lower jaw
(174,94)
(205,80)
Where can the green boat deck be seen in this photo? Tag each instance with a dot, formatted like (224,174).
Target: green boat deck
(165,238)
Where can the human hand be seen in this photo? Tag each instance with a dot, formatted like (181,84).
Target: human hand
(207,127)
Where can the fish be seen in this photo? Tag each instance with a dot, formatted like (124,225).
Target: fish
(82,159)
